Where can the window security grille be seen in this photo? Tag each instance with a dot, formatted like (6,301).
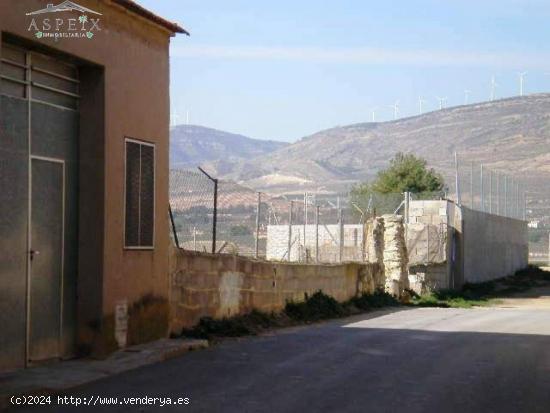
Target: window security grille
(39,77)
(140,194)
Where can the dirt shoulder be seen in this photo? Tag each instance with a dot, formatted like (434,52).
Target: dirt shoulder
(535,297)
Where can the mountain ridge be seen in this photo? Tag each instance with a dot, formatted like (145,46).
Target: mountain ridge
(194,145)
(510,135)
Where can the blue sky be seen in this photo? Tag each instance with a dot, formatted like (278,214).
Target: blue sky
(285,69)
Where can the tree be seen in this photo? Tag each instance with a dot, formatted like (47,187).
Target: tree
(406,173)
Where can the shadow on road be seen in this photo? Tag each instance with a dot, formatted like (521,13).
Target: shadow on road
(418,360)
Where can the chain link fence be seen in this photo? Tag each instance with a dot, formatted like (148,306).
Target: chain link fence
(222,216)
(483,189)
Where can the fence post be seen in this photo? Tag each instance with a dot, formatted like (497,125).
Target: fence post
(173,226)
(498,193)
(289,229)
(215,218)
(257,243)
(407,206)
(215,215)
(505,195)
(341,246)
(305,223)
(517,201)
(194,238)
(472,184)
(457,181)
(482,198)
(317,233)
(491,191)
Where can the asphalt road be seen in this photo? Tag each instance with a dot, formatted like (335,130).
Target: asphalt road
(413,360)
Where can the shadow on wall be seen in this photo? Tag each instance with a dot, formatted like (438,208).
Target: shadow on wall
(147,320)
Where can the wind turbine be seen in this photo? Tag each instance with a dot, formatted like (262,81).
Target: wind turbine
(442,102)
(373,113)
(494,85)
(395,108)
(521,78)
(420,102)
(466,96)
(187,117)
(174,118)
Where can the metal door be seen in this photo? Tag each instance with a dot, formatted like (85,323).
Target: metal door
(46,258)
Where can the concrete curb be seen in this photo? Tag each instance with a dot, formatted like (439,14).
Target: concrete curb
(59,377)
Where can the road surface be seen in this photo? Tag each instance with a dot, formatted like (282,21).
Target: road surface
(413,360)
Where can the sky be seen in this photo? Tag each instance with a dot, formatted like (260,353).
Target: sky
(284,69)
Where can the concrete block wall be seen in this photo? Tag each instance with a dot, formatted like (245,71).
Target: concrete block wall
(493,246)
(477,246)
(222,285)
(424,278)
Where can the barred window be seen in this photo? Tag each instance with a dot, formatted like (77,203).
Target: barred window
(140,194)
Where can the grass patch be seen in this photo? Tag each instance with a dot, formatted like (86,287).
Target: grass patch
(243,325)
(483,294)
(368,302)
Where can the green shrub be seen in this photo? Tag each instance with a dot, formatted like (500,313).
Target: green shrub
(379,299)
(317,307)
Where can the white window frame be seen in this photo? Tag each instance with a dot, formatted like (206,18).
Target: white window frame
(150,144)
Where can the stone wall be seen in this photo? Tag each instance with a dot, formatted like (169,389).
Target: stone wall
(223,285)
(374,246)
(395,255)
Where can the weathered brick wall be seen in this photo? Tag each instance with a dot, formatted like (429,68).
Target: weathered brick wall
(224,285)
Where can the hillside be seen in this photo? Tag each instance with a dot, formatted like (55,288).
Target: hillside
(511,135)
(192,145)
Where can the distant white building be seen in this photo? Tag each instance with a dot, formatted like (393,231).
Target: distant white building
(534,224)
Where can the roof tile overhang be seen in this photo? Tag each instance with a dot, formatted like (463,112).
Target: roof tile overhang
(143,12)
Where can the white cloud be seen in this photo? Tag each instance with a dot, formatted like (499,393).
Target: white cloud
(366,56)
